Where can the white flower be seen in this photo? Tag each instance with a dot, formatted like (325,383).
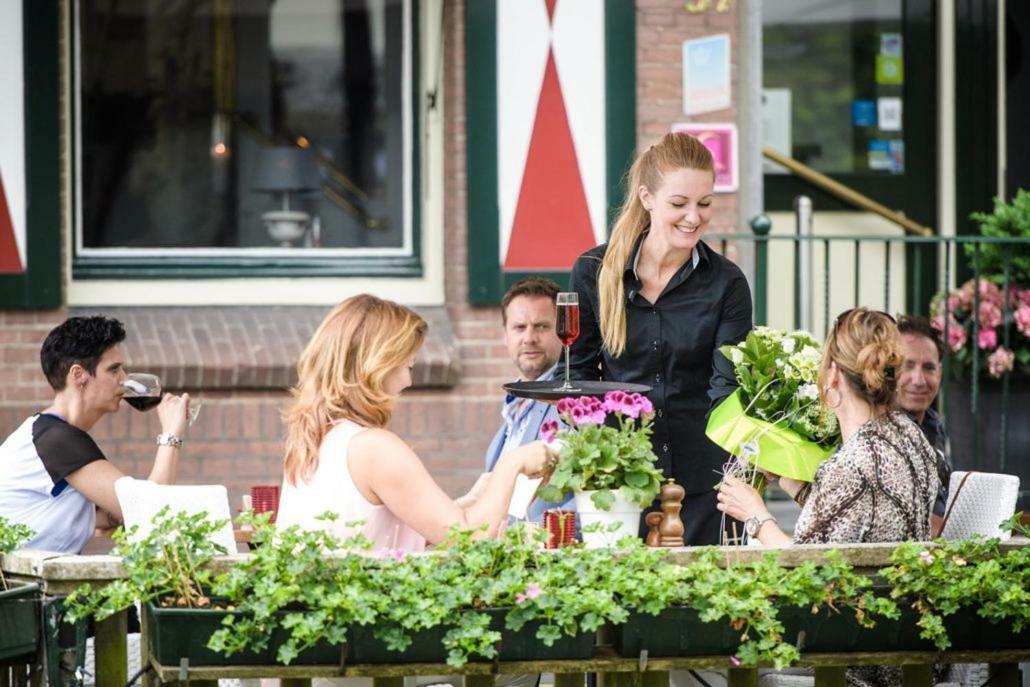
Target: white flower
(788,345)
(808,391)
(737,356)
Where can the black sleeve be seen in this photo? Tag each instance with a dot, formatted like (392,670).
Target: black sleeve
(585,352)
(62,448)
(734,325)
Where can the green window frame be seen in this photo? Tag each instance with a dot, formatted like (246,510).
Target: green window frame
(226,263)
(487,280)
(39,286)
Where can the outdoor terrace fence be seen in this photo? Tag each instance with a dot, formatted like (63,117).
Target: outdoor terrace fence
(803,281)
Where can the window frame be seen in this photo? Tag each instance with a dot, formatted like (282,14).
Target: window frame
(259,262)
(915,190)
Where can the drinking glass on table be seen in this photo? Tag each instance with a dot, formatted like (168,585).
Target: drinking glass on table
(143,392)
(567,329)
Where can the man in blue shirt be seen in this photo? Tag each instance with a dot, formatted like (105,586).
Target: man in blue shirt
(528,316)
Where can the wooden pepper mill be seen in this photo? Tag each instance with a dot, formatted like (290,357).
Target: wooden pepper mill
(653,520)
(670,529)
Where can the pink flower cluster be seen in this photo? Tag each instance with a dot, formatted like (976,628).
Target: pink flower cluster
(957,311)
(587,410)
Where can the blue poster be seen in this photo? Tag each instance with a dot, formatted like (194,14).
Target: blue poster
(863,113)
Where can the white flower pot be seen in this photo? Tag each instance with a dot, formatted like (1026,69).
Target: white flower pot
(625,513)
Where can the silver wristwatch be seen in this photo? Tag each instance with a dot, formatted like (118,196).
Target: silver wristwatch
(754,523)
(168,439)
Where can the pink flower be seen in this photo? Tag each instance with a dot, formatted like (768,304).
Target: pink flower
(614,400)
(925,556)
(990,314)
(956,333)
(1023,318)
(549,430)
(989,291)
(533,590)
(734,660)
(566,405)
(987,339)
(1000,361)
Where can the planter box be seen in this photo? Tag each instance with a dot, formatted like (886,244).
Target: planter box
(19,622)
(176,633)
(680,632)
(427,646)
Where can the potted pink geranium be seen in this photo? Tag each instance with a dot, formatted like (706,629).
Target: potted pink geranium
(955,318)
(607,461)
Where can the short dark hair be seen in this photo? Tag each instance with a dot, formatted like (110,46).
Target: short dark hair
(81,340)
(920,326)
(529,286)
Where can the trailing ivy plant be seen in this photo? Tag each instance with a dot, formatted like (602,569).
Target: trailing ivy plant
(963,574)
(12,536)
(166,566)
(292,583)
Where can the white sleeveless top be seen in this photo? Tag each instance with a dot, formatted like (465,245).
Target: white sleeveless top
(331,488)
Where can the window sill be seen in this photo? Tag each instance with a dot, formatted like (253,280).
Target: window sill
(254,348)
(245,267)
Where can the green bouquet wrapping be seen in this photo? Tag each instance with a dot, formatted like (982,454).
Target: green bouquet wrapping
(774,420)
(776,449)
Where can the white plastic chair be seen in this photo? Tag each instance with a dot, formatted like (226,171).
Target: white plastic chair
(142,499)
(978,502)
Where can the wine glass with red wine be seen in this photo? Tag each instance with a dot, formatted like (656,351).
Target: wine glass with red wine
(567,329)
(142,390)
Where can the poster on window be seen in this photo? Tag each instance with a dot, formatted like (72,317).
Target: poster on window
(721,140)
(706,75)
(12,141)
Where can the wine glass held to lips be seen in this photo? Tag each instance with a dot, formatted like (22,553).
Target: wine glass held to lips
(567,328)
(143,392)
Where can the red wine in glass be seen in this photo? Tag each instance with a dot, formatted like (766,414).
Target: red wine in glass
(143,402)
(567,329)
(142,390)
(567,326)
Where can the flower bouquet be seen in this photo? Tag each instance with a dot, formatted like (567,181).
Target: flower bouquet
(608,465)
(774,420)
(954,317)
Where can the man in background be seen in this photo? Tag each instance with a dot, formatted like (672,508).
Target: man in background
(919,381)
(528,315)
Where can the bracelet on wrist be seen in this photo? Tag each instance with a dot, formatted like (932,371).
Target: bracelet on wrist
(168,439)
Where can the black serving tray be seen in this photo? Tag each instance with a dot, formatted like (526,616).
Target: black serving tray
(549,390)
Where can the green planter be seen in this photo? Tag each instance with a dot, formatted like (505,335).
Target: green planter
(681,632)
(967,631)
(676,631)
(427,646)
(177,633)
(19,622)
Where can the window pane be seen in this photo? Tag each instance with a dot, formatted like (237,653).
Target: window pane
(202,121)
(833,80)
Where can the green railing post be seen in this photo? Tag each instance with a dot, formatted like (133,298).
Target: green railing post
(974,391)
(761,225)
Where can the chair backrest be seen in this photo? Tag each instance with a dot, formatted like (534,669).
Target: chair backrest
(982,503)
(142,499)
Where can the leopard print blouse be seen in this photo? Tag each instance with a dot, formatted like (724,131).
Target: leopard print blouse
(879,486)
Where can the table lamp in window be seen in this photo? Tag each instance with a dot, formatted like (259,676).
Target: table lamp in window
(286,170)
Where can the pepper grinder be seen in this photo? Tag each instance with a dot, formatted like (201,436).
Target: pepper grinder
(670,529)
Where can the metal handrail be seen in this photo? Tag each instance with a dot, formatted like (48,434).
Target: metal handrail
(846,193)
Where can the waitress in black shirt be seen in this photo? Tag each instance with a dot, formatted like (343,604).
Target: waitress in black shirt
(655,306)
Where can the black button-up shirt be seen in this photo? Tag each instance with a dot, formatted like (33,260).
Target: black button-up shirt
(672,345)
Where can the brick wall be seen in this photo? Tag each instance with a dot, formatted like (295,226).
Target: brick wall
(662,26)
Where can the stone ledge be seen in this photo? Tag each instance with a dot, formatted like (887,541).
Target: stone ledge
(247,347)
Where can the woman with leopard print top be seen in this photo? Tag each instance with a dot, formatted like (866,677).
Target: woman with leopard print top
(881,483)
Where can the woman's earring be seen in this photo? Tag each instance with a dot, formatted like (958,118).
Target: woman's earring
(826,397)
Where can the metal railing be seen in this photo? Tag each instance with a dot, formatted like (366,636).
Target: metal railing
(827,274)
